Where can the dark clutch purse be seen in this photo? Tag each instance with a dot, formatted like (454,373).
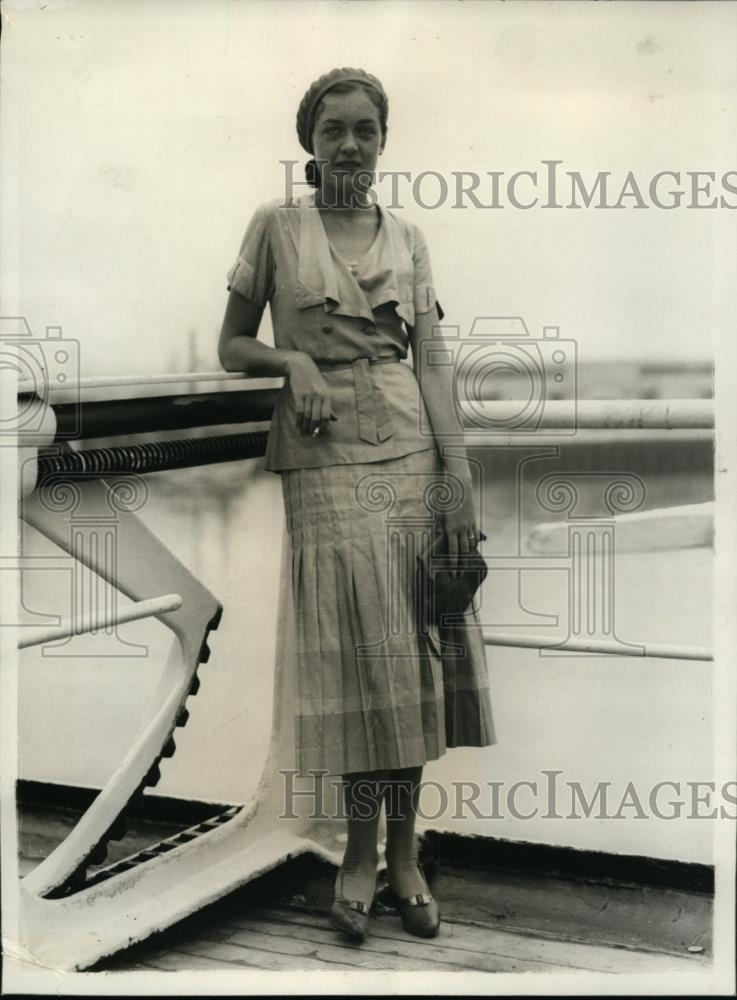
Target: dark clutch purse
(439,593)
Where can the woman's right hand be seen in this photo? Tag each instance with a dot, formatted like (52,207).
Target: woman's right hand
(310,393)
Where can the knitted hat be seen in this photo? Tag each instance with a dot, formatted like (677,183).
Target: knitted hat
(317,90)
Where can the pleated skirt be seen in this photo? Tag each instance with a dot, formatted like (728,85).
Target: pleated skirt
(375,691)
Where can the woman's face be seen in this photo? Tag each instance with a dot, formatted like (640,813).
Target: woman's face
(347,138)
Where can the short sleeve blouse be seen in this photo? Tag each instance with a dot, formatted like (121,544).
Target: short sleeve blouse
(252,275)
(338,313)
(395,269)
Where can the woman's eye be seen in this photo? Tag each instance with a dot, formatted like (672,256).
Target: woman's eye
(332,130)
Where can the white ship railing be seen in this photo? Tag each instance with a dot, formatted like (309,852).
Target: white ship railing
(72,918)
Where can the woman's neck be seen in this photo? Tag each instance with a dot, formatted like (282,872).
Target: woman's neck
(354,202)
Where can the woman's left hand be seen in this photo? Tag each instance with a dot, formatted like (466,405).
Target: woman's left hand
(461,529)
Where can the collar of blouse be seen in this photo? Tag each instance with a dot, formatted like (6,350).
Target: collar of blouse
(323,277)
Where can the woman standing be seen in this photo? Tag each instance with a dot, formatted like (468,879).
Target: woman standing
(355,439)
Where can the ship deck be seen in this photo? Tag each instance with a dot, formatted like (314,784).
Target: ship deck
(494,920)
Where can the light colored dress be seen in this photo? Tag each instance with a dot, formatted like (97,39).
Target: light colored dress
(361,501)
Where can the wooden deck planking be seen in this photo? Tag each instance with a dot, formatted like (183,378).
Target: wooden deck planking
(496,921)
(254,957)
(475,947)
(332,947)
(469,946)
(386,937)
(290,941)
(629,916)
(640,917)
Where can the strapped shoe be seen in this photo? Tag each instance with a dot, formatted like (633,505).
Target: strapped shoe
(420,914)
(349,915)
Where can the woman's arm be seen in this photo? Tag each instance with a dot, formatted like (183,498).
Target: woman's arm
(238,348)
(240,351)
(436,386)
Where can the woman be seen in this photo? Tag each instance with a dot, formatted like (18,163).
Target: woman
(355,440)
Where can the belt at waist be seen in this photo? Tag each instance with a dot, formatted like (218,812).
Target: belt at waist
(374,416)
(374,359)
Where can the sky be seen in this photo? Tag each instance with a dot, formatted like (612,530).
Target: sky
(137,139)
